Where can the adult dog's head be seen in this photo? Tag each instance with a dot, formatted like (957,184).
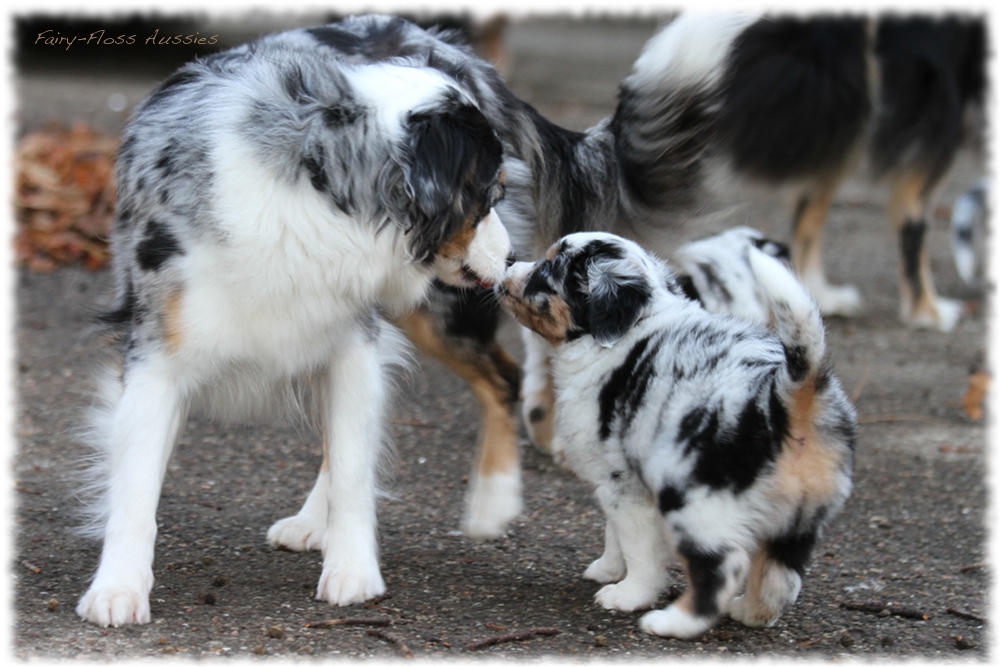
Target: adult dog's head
(448,179)
(587,284)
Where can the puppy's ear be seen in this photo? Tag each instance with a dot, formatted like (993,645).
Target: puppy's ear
(618,293)
(451,165)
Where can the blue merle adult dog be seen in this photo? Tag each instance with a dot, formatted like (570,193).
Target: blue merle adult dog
(711,436)
(276,201)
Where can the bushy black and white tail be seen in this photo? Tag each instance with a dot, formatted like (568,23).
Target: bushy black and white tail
(667,107)
(795,318)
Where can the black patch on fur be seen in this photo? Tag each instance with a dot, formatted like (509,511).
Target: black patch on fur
(126,313)
(932,68)
(733,456)
(338,116)
(314,164)
(688,289)
(157,246)
(537,414)
(705,577)
(669,499)
(623,393)
(167,160)
(775,249)
(794,548)
(171,85)
(798,364)
(795,95)
(381,41)
(911,246)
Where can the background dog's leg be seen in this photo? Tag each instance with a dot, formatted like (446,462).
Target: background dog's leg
(920,305)
(355,406)
(538,409)
(140,431)
(304,531)
(610,567)
(494,497)
(810,217)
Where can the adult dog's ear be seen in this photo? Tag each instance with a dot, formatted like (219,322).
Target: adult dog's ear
(452,163)
(618,293)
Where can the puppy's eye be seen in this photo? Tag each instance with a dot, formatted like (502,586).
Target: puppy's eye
(544,271)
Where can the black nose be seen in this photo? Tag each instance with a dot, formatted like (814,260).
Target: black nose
(511,258)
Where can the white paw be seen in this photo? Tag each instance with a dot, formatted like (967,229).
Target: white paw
(627,595)
(946,314)
(843,300)
(674,622)
(341,587)
(741,611)
(115,605)
(298,533)
(605,570)
(492,503)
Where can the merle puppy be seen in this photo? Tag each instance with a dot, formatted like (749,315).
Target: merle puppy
(704,435)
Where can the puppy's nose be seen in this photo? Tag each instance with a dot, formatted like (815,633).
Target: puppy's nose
(511,258)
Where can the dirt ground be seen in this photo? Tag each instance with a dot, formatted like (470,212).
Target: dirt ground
(903,572)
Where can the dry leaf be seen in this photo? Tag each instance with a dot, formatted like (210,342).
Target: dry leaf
(975,395)
(64,197)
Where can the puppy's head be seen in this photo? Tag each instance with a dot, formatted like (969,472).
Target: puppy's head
(451,178)
(587,284)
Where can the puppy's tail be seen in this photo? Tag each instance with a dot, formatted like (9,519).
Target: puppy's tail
(794,317)
(667,107)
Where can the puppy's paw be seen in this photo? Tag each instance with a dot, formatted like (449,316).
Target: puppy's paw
(606,570)
(114,605)
(297,533)
(842,300)
(493,502)
(753,616)
(674,622)
(343,587)
(627,595)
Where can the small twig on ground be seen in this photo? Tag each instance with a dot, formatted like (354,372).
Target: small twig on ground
(31,566)
(861,382)
(970,568)
(965,614)
(349,620)
(394,639)
(513,637)
(878,608)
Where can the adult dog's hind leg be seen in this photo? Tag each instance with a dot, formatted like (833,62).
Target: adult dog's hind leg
(810,217)
(458,328)
(920,306)
(139,431)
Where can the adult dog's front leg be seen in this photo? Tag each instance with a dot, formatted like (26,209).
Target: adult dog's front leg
(355,409)
(138,431)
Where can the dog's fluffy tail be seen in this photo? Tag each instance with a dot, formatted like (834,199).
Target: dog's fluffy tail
(667,107)
(795,318)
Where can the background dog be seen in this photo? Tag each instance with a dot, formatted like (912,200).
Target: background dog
(776,101)
(274,201)
(700,432)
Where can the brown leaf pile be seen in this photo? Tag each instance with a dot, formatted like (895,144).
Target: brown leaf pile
(64,197)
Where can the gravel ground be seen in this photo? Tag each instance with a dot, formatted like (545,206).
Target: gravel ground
(902,573)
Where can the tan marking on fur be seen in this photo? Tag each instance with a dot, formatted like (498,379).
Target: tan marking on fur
(543,430)
(458,244)
(909,202)
(498,448)
(753,595)
(807,244)
(807,469)
(173,329)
